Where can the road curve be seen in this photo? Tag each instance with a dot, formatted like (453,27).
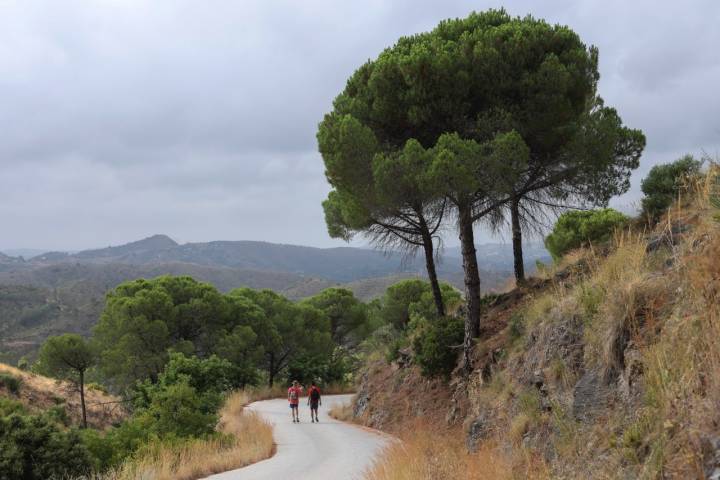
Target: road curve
(329,449)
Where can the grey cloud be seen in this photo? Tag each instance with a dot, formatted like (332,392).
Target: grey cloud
(198,119)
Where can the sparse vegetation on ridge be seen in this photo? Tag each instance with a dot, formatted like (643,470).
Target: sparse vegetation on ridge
(245,439)
(609,367)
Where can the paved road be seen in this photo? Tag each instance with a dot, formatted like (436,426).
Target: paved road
(328,450)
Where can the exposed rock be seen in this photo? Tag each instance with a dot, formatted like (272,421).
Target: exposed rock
(560,338)
(667,238)
(362,399)
(404,357)
(629,383)
(711,457)
(591,396)
(478,430)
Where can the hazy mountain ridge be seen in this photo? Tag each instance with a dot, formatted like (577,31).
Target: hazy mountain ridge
(341,264)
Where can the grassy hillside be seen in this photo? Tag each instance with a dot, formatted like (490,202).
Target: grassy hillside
(605,366)
(39,394)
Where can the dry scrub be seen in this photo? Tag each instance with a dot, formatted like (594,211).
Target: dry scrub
(433,453)
(245,439)
(637,321)
(39,393)
(342,412)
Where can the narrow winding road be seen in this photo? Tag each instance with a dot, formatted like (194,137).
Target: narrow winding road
(327,450)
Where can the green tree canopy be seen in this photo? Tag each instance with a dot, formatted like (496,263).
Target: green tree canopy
(144,319)
(496,87)
(576,228)
(286,330)
(380,193)
(68,356)
(413,297)
(663,183)
(348,316)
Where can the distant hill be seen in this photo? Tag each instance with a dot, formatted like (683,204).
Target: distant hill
(22,252)
(58,292)
(499,256)
(341,264)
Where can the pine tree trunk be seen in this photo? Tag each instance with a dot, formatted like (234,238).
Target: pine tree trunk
(432,273)
(472,282)
(517,242)
(82,398)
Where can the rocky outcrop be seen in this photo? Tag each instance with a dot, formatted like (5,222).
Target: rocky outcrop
(590,396)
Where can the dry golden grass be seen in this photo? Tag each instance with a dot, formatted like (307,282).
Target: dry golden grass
(342,412)
(661,307)
(247,439)
(431,453)
(39,393)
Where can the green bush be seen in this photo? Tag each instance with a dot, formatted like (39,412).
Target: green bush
(435,344)
(34,447)
(8,407)
(398,299)
(23,364)
(663,183)
(179,411)
(516,326)
(10,382)
(208,377)
(578,227)
(321,368)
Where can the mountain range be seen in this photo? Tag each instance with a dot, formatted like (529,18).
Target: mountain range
(56,292)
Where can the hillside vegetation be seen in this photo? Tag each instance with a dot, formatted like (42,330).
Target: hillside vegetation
(183,358)
(56,293)
(605,366)
(38,393)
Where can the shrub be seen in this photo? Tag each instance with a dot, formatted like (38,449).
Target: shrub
(398,298)
(8,407)
(178,411)
(578,227)
(663,183)
(34,447)
(208,377)
(23,364)
(434,343)
(516,326)
(97,387)
(10,382)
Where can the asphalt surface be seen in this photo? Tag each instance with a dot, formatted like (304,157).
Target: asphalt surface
(327,450)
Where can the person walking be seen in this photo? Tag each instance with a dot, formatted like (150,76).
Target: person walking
(314,400)
(294,393)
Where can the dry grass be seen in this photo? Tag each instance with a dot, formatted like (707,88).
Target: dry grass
(427,452)
(39,393)
(246,439)
(662,308)
(342,412)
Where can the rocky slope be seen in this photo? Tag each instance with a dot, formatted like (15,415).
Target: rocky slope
(607,366)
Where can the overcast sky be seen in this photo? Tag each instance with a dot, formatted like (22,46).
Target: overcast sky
(121,119)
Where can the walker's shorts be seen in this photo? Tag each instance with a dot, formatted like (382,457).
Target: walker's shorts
(294,405)
(313,405)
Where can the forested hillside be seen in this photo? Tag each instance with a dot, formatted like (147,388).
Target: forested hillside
(56,292)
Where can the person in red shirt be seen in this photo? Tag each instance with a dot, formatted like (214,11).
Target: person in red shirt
(294,393)
(314,400)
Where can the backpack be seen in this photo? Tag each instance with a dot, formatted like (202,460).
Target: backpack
(315,395)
